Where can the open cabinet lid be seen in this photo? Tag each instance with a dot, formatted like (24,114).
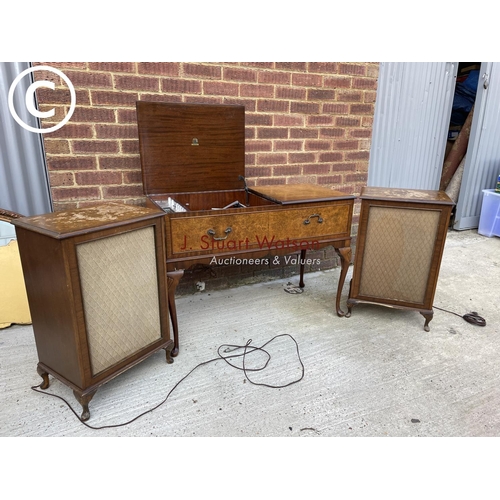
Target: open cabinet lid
(191,147)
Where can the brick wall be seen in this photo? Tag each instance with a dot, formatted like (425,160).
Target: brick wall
(305,122)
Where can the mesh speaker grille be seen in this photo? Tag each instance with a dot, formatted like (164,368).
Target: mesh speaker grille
(120,295)
(398,253)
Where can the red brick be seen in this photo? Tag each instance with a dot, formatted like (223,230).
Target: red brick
(346,145)
(338,82)
(347,121)
(127,115)
(116,131)
(320,120)
(304,107)
(60,95)
(249,133)
(358,155)
(127,99)
(301,179)
(272,133)
(287,170)
(258,172)
(271,159)
(335,108)
(202,71)
(114,67)
(220,88)
(288,120)
(255,146)
(307,80)
(72,163)
(239,74)
(159,68)
(288,145)
(320,95)
(120,162)
(331,156)
(292,66)
(89,79)
(303,133)
(322,67)
(93,146)
(273,106)
(356,177)
(250,158)
(291,93)
(98,178)
(61,179)
(316,168)
(256,119)
(364,83)
(75,193)
(301,157)
(122,191)
(261,65)
(250,104)
(129,146)
(352,69)
(343,167)
(93,115)
(349,96)
(139,83)
(74,131)
(362,109)
(199,99)
(329,179)
(274,77)
(331,132)
(257,90)
(181,86)
(318,145)
(56,146)
(270,181)
(132,177)
(360,133)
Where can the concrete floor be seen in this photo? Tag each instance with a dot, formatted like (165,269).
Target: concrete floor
(375,374)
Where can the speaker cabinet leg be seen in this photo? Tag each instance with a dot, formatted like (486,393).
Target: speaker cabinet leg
(84,400)
(45,376)
(345,255)
(173,278)
(302,262)
(428,318)
(168,352)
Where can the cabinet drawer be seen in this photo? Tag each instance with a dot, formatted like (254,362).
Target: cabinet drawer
(318,222)
(217,233)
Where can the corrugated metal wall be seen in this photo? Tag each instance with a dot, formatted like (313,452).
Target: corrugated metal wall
(412,116)
(482,165)
(24,186)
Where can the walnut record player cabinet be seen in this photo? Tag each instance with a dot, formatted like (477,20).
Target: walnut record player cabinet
(96,285)
(400,244)
(193,168)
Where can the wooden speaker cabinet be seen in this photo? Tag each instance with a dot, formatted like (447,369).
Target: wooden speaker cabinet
(400,243)
(96,285)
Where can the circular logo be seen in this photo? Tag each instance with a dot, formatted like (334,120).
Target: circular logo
(29,99)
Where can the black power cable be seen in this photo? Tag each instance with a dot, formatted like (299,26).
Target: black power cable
(472,317)
(224,352)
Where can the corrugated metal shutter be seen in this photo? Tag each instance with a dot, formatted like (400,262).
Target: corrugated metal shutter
(482,165)
(412,116)
(24,185)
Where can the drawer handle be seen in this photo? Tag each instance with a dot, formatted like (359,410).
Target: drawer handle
(320,219)
(211,232)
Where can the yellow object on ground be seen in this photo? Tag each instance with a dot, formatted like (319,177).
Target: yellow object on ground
(14,306)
